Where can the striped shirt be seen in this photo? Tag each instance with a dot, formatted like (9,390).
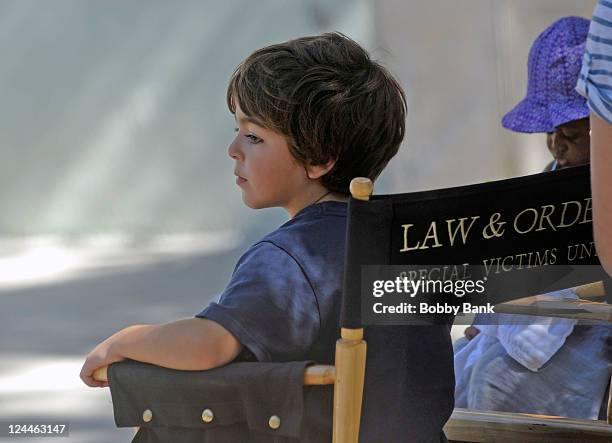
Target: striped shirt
(595,80)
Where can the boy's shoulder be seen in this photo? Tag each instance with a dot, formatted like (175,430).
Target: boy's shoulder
(314,228)
(314,239)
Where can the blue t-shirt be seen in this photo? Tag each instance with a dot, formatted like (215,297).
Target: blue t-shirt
(282,302)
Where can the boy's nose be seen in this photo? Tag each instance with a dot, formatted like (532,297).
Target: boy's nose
(233,151)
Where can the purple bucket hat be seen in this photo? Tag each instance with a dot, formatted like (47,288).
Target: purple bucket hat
(554,64)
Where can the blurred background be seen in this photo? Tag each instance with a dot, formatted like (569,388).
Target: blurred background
(118,201)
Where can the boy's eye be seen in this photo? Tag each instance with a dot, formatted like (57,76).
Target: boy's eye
(253,139)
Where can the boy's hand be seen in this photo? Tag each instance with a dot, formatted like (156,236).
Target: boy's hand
(101,355)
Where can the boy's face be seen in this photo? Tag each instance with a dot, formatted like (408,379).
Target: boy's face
(570,143)
(265,170)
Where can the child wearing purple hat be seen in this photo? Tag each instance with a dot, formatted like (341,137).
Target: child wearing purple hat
(554,367)
(552,105)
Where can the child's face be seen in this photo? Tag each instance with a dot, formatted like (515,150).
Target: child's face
(267,173)
(570,143)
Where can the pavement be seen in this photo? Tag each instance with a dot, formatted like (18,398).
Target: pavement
(58,301)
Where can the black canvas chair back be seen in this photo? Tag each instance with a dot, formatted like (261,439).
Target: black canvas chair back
(530,235)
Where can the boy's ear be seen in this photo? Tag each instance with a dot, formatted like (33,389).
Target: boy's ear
(318,171)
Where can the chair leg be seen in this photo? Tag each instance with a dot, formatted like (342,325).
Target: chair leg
(348,389)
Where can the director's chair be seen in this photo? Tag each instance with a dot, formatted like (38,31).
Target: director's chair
(170,405)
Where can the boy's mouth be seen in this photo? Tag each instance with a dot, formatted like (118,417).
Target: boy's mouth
(239,180)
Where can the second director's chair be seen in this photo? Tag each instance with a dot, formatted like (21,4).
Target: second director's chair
(444,227)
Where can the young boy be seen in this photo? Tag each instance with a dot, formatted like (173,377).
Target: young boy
(311,114)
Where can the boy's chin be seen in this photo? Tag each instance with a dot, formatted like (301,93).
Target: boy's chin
(253,203)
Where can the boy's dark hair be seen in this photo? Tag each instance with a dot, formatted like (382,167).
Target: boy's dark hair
(329,100)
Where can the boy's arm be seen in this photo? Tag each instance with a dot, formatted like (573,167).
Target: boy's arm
(188,344)
(601,183)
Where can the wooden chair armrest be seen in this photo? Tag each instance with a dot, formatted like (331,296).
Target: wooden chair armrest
(591,291)
(313,375)
(101,374)
(558,307)
(584,308)
(320,375)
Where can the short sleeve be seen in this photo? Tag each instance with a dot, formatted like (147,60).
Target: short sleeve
(268,305)
(595,80)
